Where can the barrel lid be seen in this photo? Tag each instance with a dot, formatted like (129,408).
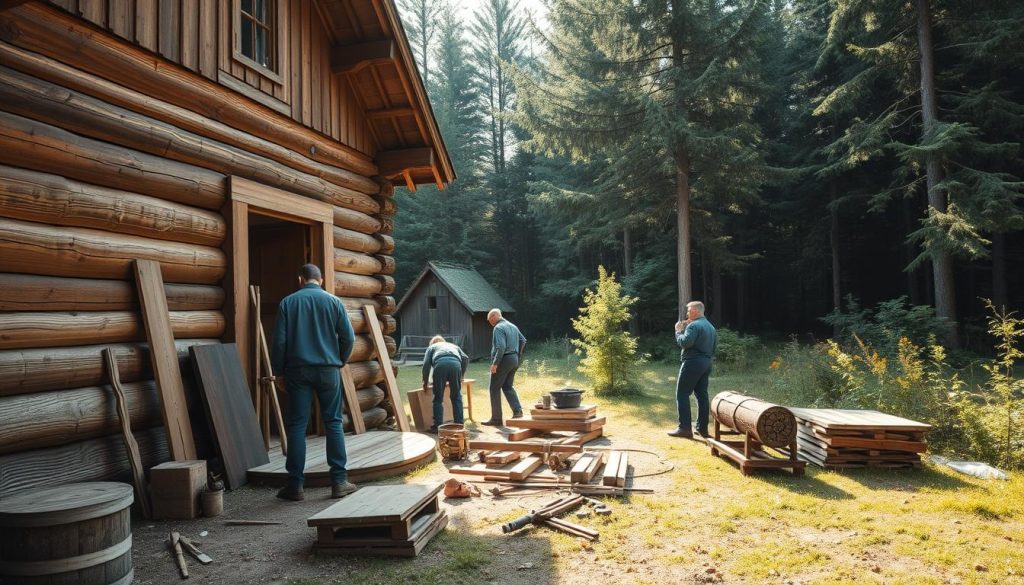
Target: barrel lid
(63,504)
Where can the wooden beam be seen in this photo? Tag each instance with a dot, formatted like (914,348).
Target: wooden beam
(395,162)
(353,58)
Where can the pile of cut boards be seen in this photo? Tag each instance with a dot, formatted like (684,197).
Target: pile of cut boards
(517,462)
(850,439)
(582,422)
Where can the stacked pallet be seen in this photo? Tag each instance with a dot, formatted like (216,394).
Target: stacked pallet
(850,439)
(392,520)
(582,421)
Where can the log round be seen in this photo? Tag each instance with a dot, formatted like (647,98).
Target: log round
(384,304)
(356,263)
(31,330)
(34,248)
(772,425)
(387,284)
(354,241)
(358,320)
(41,370)
(368,397)
(366,373)
(387,263)
(51,199)
(34,145)
(352,285)
(373,417)
(32,292)
(355,220)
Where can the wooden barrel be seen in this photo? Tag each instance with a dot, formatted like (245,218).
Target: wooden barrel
(74,533)
(772,425)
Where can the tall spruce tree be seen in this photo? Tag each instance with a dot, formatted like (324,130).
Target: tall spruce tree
(676,79)
(420,19)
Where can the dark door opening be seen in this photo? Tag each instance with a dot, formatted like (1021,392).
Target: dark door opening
(277,248)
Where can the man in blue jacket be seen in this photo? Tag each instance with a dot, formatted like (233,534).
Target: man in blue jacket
(698,339)
(313,339)
(449,363)
(507,344)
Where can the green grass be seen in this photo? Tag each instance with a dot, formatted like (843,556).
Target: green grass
(872,526)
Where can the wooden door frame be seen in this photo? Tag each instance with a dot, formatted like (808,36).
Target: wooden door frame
(247,197)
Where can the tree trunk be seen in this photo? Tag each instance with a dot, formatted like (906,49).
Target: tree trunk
(942,261)
(913,276)
(683,263)
(627,252)
(717,292)
(1000,290)
(837,296)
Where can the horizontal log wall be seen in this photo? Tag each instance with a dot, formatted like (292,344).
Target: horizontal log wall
(106,156)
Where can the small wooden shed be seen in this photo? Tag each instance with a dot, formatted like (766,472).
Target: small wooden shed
(451,300)
(230,141)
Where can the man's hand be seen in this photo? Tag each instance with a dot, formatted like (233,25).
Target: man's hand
(680,325)
(494,369)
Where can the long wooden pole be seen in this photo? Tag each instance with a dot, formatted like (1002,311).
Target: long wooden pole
(130,445)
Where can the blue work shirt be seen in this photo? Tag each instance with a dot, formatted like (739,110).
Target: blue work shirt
(506,339)
(698,340)
(439,351)
(312,330)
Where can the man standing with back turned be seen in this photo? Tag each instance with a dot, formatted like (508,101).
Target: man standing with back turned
(313,339)
(507,346)
(698,339)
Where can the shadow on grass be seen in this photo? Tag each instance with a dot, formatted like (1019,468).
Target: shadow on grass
(905,479)
(808,484)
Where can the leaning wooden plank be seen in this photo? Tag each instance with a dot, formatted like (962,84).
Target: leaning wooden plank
(152,300)
(391,385)
(271,387)
(236,432)
(352,400)
(586,466)
(131,446)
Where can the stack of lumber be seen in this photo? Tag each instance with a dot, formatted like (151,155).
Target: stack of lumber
(849,439)
(582,420)
(392,520)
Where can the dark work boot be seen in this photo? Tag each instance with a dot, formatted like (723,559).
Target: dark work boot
(682,433)
(517,414)
(291,493)
(492,423)
(340,490)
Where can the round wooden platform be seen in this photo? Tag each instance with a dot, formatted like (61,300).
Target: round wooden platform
(370,456)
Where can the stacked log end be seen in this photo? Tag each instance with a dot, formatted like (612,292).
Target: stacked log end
(772,425)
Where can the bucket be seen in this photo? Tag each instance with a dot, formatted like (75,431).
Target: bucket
(213,503)
(453,441)
(74,533)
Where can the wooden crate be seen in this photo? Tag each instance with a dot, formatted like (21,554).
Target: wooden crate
(175,488)
(390,520)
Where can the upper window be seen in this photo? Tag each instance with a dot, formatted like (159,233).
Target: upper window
(431,302)
(257,39)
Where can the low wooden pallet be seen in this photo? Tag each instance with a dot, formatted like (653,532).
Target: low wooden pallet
(585,425)
(749,453)
(583,412)
(393,520)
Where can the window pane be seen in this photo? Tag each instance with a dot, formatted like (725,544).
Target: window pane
(261,11)
(246,44)
(261,47)
(247,6)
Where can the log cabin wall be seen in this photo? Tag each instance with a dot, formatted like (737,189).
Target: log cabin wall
(118,138)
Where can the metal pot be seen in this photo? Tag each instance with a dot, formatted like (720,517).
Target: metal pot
(567,397)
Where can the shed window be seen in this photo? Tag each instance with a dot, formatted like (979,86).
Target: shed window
(257,40)
(431,302)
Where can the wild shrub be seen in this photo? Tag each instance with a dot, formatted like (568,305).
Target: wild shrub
(883,326)
(610,359)
(735,349)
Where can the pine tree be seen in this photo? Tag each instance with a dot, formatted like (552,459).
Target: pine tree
(671,79)
(610,360)
(419,18)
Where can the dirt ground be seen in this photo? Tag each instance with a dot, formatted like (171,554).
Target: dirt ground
(283,554)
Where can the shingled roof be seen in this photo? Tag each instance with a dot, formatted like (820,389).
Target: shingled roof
(466,284)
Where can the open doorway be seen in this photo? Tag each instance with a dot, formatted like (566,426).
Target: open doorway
(276,250)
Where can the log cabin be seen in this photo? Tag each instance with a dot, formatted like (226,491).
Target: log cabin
(229,140)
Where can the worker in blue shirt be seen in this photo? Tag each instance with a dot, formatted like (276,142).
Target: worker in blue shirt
(449,363)
(507,344)
(313,339)
(698,338)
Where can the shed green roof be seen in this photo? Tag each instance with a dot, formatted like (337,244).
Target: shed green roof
(468,286)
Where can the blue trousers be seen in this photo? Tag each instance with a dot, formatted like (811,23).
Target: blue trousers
(501,383)
(693,379)
(302,384)
(447,370)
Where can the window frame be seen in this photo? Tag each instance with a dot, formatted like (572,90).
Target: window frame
(276,50)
